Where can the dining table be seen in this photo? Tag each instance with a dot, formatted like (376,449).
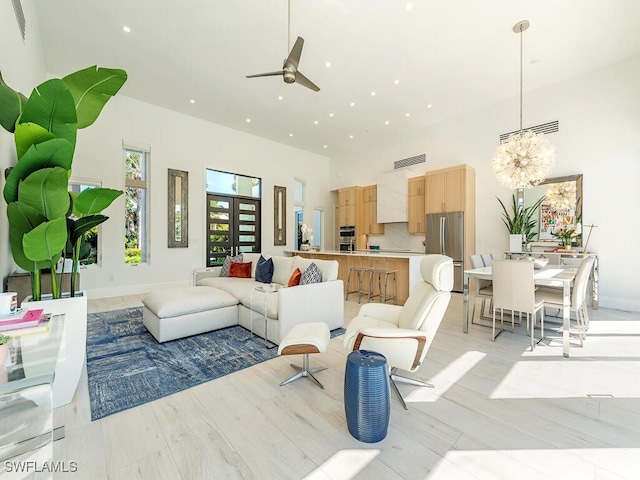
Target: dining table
(552,275)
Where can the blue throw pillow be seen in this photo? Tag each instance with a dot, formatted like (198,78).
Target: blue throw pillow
(264,270)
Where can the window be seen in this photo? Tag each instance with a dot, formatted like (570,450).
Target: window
(90,256)
(136,205)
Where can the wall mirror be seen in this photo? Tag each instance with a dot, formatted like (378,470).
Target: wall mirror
(178,209)
(279,215)
(561,208)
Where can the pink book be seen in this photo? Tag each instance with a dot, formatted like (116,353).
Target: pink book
(31,318)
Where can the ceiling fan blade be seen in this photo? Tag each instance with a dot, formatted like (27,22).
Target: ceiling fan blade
(304,81)
(293,59)
(268,74)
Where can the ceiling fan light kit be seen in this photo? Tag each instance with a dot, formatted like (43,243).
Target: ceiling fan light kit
(525,158)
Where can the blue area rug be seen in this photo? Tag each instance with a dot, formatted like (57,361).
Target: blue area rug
(127,367)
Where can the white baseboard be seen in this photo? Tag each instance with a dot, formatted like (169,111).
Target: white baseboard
(134,289)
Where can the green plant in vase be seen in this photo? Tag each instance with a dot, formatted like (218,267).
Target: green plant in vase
(521,220)
(45,220)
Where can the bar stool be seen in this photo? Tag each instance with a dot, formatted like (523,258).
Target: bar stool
(383,285)
(360,273)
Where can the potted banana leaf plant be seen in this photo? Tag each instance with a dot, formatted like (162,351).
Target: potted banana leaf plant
(520,223)
(46,221)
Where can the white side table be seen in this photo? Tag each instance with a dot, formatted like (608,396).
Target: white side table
(264,290)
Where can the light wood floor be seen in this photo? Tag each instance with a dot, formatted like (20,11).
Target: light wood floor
(497,411)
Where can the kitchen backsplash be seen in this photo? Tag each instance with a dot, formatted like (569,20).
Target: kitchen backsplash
(397,237)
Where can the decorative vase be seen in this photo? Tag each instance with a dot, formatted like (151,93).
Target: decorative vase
(515,242)
(305,247)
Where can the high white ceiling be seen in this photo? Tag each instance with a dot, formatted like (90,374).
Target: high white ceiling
(456,55)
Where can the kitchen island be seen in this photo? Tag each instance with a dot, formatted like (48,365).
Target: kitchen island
(405,263)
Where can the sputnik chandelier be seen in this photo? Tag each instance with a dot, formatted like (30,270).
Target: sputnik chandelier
(525,158)
(562,196)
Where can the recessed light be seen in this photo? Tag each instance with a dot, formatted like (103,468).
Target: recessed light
(407,114)
(408,6)
(396,82)
(350,136)
(291,134)
(192,101)
(324,146)
(280,97)
(429,106)
(386,122)
(352,104)
(126,28)
(373,94)
(328,64)
(248,120)
(331,114)
(315,122)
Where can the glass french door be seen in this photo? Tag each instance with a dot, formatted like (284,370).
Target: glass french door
(233,226)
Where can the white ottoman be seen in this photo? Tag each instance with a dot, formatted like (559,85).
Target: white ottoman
(181,312)
(305,338)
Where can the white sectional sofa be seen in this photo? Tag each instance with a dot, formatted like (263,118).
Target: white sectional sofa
(171,315)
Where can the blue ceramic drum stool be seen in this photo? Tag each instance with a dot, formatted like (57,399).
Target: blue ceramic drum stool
(366,395)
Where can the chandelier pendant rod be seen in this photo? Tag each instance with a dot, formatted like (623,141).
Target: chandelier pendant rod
(521,29)
(289,37)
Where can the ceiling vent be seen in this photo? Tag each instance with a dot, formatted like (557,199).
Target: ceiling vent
(17,8)
(407,162)
(545,128)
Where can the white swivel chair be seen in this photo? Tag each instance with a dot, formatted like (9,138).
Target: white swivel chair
(578,297)
(484,289)
(403,334)
(514,289)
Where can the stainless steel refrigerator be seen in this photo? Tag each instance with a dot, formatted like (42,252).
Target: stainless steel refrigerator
(445,235)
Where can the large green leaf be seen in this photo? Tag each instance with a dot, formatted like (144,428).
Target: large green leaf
(77,227)
(95,200)
(91,89)
(52,107)
(11,105)
(46,191)
(46,242)
(28,134)
(23,219)
(56,152)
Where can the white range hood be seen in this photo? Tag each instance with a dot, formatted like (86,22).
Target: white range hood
(392,197)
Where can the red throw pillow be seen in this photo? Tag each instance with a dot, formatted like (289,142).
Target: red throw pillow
(294,279)
(240,270)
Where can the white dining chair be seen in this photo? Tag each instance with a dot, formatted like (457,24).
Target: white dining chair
(578,297)
(514,290)
(483,289)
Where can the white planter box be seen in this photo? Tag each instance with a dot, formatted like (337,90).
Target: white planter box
(73,346)
(515,242)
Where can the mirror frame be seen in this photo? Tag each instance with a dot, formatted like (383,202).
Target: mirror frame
(580,201)
(183,201)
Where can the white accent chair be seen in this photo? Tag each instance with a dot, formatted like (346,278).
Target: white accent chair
(514,290)
(403,334)
(578,297)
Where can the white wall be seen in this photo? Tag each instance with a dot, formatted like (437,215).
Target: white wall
(184,143)
(599,136)
(22,66)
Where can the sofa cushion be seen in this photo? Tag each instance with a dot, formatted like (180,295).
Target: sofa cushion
(311,275)
(282,269)
(224,272)
(329,268)
(253,258)
(294,279)
(175,302)
(240,270)
(264,270)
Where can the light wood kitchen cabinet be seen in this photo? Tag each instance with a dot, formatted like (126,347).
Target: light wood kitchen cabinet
(369,207)
(348,206)
(416,204)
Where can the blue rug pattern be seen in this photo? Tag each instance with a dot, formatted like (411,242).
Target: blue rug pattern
(127,367)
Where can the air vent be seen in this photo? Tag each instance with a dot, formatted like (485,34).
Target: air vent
(406,162)
(17,8)
(551,127)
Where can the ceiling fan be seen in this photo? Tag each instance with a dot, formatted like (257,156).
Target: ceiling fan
(290,72)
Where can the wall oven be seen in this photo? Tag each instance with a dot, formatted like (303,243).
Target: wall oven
(347,240)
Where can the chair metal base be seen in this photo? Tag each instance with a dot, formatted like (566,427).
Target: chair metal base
(305,371)
(399,378)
